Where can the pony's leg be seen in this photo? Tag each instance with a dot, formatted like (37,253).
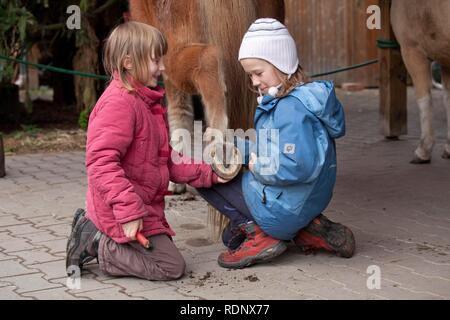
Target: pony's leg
(211,86)
(419,68)
(446,83)
(180,114)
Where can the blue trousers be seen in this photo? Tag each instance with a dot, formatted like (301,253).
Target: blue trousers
(228,199)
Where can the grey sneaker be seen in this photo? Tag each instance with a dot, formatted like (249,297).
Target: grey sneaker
(78,214)
(82,245)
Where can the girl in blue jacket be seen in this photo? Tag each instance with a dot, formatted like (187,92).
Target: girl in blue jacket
(292,165)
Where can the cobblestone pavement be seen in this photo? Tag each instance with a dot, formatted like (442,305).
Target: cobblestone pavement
(400,214)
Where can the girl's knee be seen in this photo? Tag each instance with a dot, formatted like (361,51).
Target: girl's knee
(177,270)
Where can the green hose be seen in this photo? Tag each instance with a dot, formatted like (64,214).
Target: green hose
(387,44)
(55,69)
(359,65)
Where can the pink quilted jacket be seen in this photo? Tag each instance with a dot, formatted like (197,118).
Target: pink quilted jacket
(129,163)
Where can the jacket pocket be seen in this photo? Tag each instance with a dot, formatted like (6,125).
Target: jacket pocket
(271,195)
(267,194)
(293,198)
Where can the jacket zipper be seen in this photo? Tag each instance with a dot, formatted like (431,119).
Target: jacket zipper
(264,199)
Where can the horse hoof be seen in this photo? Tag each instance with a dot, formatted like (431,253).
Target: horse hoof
(417,160)
(445,155)
(226,160)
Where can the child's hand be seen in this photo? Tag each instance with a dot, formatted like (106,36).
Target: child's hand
(252,161)
(131,228)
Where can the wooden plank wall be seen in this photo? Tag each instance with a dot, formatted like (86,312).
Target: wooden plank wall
(332,34)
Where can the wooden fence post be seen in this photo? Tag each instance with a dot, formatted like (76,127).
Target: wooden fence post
(393,112)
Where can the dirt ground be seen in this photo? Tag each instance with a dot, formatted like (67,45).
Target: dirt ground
(33,139)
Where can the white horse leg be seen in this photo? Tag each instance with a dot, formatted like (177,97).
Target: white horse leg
(419,68)
(423,151)
(446,82)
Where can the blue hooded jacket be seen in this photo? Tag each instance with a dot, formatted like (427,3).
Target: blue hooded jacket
(295,171)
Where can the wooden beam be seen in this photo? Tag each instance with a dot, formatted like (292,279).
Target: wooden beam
(393,112)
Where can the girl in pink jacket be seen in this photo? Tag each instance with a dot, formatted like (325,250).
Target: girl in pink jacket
(129,165)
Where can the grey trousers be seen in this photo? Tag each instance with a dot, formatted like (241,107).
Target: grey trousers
(163,262)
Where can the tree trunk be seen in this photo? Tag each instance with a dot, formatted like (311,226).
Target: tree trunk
(86,59)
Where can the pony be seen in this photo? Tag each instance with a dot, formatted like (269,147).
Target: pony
(203,39)
(422,29)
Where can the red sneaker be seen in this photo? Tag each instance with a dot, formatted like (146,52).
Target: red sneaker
(322,233)
(257,247)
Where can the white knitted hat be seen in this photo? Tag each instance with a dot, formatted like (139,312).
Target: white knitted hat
(268,39)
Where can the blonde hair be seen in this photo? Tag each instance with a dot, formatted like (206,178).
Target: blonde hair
(287,85)
(138,41)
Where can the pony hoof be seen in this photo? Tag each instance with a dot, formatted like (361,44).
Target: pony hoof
(445,155)
(417,160)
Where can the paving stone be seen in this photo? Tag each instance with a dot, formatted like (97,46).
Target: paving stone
(5,284)
(9,220)
(55,246)
(165,293)
(8,293)
(47,220)
(52,294)
(36,256)
(59,230)
(10,204)
(113,293)
(51,270)
(279,291)
(11,244)
(88,282)
(4,256)
(42,236)
(21,229)
(132,285)
(30,282)
(14,268)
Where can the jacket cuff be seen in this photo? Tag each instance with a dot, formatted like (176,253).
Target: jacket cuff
(131,218)
(215,178)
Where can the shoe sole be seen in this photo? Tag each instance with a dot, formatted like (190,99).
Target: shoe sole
(345,250)
(263,256)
